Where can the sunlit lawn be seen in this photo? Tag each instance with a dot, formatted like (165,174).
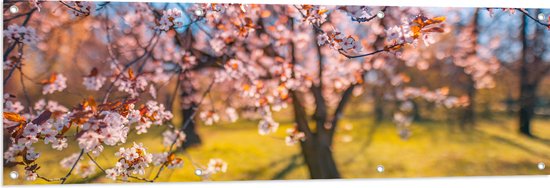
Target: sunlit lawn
(435,149)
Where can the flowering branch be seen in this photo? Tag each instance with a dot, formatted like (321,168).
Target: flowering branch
(74,9)
(318,30)
(386,49)
(186,123)
(13,45)
(127,66)
(97,164)
(369,18)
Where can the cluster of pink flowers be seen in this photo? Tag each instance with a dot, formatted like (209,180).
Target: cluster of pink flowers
(111,127)
(81,8)
(438,96)
(232,114)
(131,85)
(131,161)
(200,10)
(188,61)
(315,14)
(30,133)
(169,19)
(175,137)
(357,13)
(57,82)
(338,40)
(294,136)
(93,83)
(267,124)
(400,34)
(11,104)
(414,28)
(155,114)
(169,160)
(25,35)
(53,106)
(209,117)
(470,56)
(110,130)
(216,165)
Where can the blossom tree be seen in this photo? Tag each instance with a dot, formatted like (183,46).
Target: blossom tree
(258,56)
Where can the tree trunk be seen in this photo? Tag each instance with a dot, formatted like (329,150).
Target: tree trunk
(191,138)
(378,103)
(319,159)
(527,96)
(316,149)
(527,100)
(467,119)
(188,111)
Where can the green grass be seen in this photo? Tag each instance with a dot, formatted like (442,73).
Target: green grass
(435,149)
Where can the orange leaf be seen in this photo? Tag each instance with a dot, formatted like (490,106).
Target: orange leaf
(14,117)
(52,79)
(439,19)
(416,31)
(444,90)
(130,73)
(322,11)
(171,157)
(307,7)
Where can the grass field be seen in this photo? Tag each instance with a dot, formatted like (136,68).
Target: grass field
(435,149)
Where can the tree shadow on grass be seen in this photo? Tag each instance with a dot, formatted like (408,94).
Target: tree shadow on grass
(542,140)
(493,168)
(366,144)
(293,164)
(254,174)
(512,143)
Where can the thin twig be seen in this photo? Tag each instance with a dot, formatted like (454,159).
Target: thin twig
(142,179)
(19,15)
(71,7)
(72,168)
(175,93)
(48,179)
(27,98)
(92,159)
(533,18)
(186,123)
(369,53)
(146,53)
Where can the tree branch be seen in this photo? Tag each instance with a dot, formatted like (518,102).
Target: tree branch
(12,46)
(63,179)
(385,49)
(533,18)
(186,123)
